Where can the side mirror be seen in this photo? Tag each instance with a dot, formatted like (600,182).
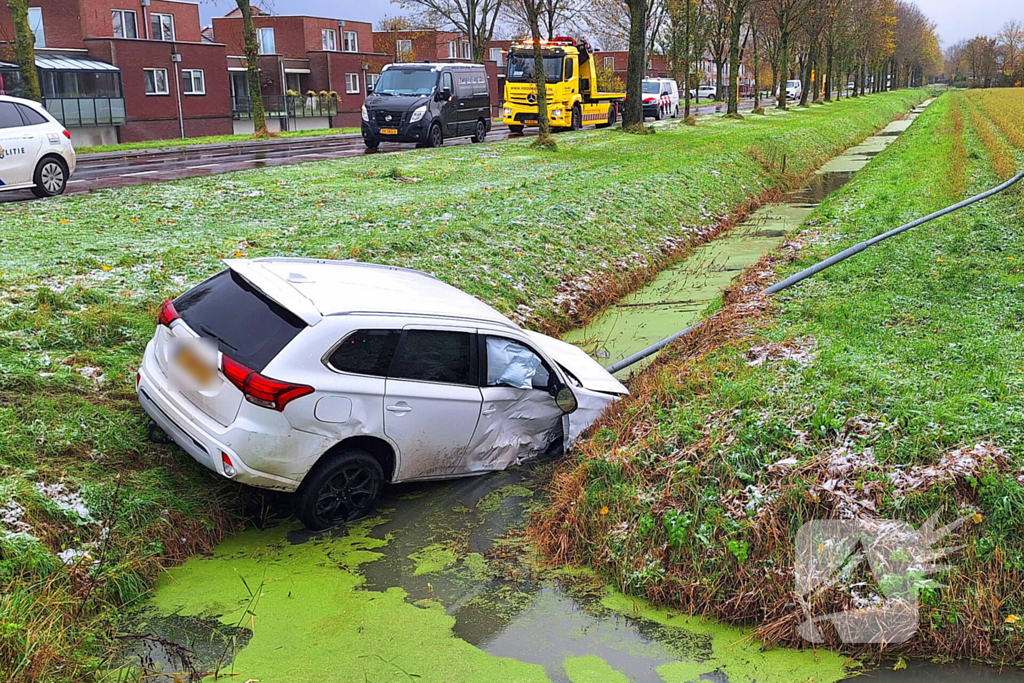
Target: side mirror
(444,95)
(369,90)
(566,400)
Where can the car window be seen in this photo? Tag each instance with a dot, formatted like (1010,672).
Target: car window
(366,352)
(31,116)
(446,81)
(464,84)
(247,326)
(9,116)
(435,356)
(568,69)
(512,364)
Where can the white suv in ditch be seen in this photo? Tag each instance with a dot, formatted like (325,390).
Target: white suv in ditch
(35,149)
(332,378)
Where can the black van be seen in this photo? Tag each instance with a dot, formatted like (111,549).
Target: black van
(427,103)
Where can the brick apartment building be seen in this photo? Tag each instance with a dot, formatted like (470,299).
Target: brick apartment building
(124,70)
(314,71)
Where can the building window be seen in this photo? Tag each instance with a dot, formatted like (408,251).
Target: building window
(497,57)
(163,26)
(609,63)
(35,22)
(352,84)
(466,53)
(156,81)
(125,23)
(194,81)
(371,81)
(329,39)
(452,53)
(350,41)
(265,38)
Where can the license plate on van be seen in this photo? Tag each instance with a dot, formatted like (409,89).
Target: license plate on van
(389,131)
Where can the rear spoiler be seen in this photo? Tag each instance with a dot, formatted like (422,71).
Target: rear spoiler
(276,289)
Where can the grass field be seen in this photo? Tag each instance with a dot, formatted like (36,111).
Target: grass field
(891,385)
(208,140)
(82,278)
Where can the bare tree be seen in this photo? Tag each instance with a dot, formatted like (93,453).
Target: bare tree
(636,65)
(252,65)
(718,40)
(1011,48)
(737,18)
(25,50)
(474,19)
(556,17)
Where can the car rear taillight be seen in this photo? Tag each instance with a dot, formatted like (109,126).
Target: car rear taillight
(167,314)
(259,390)
(67,134)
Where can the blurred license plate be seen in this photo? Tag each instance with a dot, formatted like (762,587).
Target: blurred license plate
(389,131)
(195,366)
(531,122)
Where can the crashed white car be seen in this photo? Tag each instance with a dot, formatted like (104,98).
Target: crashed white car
(332,378)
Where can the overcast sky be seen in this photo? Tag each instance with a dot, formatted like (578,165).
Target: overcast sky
(956,19)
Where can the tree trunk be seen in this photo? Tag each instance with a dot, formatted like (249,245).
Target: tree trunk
(687,58)
(735,25)
(783,73)
(829,69)
(252,63)
(805,77)
(756,62)
(25,50)
(544,138)
(719,75)
(633,114)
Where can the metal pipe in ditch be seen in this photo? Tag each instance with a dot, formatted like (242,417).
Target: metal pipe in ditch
(822,265)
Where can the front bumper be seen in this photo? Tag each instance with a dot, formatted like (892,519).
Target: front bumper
(524,115)
(407,132)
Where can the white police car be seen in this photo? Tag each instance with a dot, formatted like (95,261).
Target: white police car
(35,149)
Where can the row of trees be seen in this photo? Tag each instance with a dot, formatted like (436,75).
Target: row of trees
(984,62)
(878,44)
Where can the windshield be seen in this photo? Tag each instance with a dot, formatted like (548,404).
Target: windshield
(652,88)
(406,82)
(792,84)
(520,68)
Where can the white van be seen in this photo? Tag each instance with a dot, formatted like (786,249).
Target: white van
(661,98)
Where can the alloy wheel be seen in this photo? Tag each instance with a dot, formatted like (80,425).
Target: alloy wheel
(347,494)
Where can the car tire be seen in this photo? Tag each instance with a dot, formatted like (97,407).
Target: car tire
(435,138)
(50,177)
(481,131)
(515,130)
(577,119)
(341,488)
(371,144)
(657,114)
(611,118)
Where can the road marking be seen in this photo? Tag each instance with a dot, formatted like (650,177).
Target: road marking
(201,166)
(129,175)
(72,182)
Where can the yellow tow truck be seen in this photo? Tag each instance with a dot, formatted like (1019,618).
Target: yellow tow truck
(573,97)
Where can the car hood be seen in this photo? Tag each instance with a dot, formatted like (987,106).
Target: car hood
(396,102)
(587,370)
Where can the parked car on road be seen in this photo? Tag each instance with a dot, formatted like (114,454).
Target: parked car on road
(794,89)
(427,104)
(35,149)
(661,98)
(704,92)
(331,379)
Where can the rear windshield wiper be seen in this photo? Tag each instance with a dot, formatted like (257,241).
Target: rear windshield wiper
(209,332)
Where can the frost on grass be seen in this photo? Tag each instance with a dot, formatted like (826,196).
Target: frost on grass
(796,350)
(11,516)
(68,501)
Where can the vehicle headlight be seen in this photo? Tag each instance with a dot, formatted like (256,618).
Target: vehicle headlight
(557,114)
(508,112)
(418,113)
(366,116)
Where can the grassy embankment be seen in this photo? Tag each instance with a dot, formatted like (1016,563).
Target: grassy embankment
(209,140)
(844,396)
(82,277)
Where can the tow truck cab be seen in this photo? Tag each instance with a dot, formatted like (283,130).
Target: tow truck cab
(571,83)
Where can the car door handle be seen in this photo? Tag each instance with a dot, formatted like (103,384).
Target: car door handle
(490,411)
(401,408)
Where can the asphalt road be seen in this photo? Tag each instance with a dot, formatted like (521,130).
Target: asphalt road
(122,169)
